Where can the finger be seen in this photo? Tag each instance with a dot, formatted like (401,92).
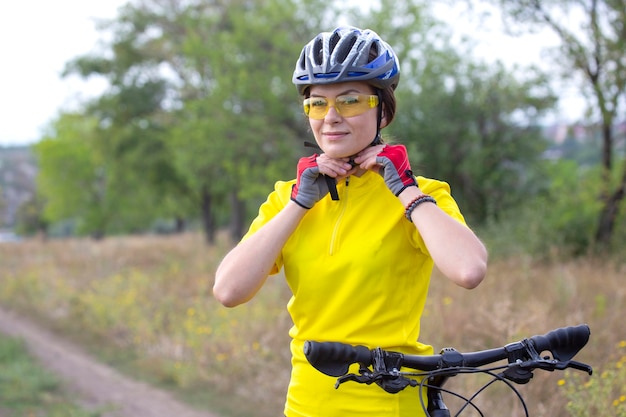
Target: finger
(334,167)
(367,153)
(334,172)
(368,162)
(323,158)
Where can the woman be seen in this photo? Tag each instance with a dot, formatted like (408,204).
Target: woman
(358,250)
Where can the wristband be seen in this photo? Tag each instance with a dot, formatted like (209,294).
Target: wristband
(423,198)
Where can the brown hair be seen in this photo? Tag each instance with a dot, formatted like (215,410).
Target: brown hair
(388,99)
(387,95)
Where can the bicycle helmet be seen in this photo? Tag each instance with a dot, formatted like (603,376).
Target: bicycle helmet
(345,55)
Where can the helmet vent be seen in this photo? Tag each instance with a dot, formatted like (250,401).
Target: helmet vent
(318,51)
(373,52)
(333,41)
(302,61)
(345,48)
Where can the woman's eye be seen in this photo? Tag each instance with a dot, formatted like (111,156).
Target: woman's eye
(348,100)
(318,103)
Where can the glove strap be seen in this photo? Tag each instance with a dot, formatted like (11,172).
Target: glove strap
(332,184)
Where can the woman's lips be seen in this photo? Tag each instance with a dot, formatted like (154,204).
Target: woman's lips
(334,135)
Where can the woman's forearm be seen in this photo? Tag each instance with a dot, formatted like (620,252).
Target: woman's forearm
(245,268)
(456,250)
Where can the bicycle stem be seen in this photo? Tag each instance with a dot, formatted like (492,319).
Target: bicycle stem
(436,406)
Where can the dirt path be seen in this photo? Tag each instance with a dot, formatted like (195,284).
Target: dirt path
(99,386)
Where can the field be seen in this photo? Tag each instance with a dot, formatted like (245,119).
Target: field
(144,304)
(28,390)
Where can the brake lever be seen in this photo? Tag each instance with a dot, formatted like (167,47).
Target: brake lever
(521,372)
(579,366)
(547,364)
(361,379)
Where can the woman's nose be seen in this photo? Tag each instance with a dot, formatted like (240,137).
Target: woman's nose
(332,115)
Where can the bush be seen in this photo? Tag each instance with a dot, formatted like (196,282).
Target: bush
(560,219)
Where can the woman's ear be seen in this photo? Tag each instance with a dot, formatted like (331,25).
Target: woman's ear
(383,118)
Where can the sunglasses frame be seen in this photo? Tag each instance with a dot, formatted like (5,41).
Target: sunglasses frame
(364,103)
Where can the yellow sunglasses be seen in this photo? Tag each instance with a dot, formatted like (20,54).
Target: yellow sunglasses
(348,105)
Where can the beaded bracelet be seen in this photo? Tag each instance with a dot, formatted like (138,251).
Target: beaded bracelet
(423,198)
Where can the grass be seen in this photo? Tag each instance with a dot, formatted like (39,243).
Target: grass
(27,390)
(144,304)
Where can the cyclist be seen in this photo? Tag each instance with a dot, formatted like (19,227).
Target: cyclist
(358,261)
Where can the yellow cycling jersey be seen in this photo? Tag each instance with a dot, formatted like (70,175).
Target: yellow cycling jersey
(359,273)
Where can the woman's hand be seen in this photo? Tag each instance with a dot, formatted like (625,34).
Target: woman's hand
(335,167)
(311,185)
(390,161)
(366,159)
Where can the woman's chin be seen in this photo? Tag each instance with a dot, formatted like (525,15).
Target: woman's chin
(339,154)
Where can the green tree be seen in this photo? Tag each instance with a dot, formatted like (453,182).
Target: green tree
(239,135)
(593,47)
(206,87)
(479,132)
(133,129)
(30,219)
(72,177)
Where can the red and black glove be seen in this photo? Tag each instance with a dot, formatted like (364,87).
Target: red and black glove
(310,186)
(396,169)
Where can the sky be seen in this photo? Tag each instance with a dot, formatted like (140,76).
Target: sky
(38,37)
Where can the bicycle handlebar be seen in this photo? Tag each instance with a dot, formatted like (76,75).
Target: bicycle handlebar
(334,358)
(563,343)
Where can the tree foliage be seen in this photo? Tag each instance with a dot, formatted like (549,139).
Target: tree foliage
(592,37)
(201,99)
(72,177)
(201,116)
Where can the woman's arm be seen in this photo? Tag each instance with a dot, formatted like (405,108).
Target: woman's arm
(245,268)
(455,249)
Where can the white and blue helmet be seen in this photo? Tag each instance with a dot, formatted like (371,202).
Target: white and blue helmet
(347,54)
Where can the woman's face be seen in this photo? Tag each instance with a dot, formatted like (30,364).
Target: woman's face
(342,137)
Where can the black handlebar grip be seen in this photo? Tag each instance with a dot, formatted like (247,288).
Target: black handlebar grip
(334,358)
(564,343)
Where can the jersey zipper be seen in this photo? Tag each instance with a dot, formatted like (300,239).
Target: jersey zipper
(344,203)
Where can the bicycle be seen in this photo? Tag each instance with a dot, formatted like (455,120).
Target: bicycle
(383,367)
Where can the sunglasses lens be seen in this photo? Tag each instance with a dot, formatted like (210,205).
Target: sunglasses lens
(349,105)
(316,107)
(353,105)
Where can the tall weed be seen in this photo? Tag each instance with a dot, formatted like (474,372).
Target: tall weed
(148,299)
(603,395)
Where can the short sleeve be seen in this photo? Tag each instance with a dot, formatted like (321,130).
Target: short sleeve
(440,191)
